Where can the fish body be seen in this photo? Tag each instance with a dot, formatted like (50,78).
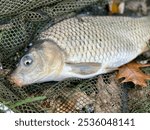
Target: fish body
(83,47)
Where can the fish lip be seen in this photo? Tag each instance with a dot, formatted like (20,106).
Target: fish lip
(16,80)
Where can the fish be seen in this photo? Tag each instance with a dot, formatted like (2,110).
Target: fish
(83,47)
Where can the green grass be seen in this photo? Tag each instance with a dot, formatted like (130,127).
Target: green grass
(12,106)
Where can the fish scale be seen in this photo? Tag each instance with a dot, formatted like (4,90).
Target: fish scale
(104,39)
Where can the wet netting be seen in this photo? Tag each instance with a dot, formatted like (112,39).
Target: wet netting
(20,22)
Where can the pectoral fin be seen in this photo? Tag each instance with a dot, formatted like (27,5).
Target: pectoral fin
(84,68)
(110,69)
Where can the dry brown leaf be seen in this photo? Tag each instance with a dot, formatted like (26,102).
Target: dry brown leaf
(108,99)
(132,73)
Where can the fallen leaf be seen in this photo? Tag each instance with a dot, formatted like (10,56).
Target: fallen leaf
(132,73)
(114,7)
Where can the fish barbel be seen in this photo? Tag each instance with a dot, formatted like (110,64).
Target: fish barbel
(83,47)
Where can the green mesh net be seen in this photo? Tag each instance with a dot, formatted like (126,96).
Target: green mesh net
(20,22)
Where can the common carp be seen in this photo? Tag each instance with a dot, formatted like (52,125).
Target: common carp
(83,47)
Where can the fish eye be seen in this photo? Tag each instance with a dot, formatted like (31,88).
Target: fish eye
(27,60)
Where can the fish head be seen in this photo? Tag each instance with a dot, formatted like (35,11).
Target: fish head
(42,63)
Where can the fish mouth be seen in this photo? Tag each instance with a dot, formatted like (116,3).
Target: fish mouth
(16,80)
